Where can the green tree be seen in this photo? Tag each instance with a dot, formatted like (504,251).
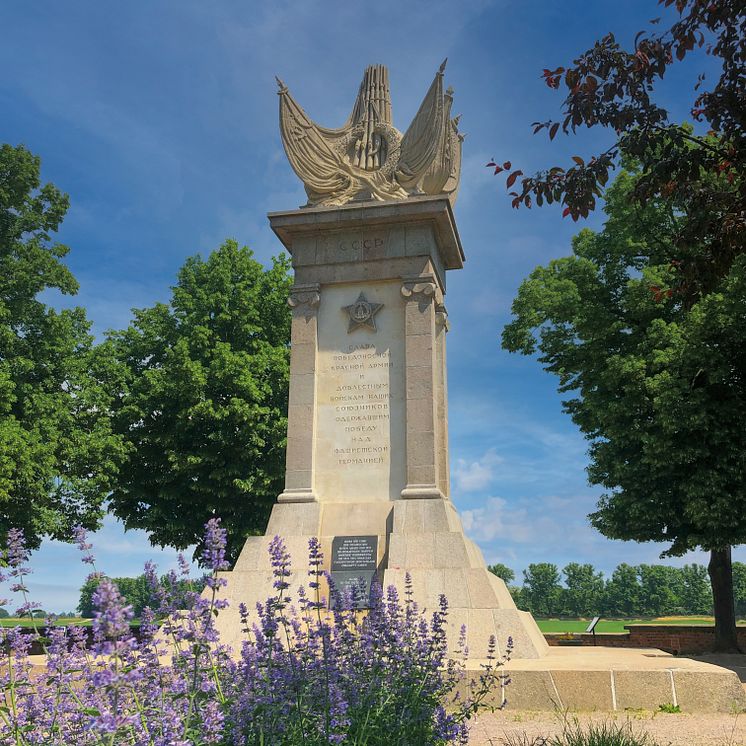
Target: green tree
(584,590)
(4,613)
(57,452)
(622,592)
(660,590)
(137,592)
(739,588)
(85,602)
(655,380)
(541,589)
(502,571)
(696,594)
(202,396)
(516,593)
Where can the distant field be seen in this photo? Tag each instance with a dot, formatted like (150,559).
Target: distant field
(26,622)
(617,625)
(545,625)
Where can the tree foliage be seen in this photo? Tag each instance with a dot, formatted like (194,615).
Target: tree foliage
(201,401)
(739,587)
(656,385)
(674,304)
(584,588)
(655,380)
(138,592)
(623,592)
(57,452)
(611,87)
(502,571)
(541,588)
(632,591)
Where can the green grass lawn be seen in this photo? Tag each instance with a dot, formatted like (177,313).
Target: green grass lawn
(26,622)
(545,625)
(617,625)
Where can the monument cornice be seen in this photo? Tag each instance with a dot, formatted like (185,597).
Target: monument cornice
(436,211)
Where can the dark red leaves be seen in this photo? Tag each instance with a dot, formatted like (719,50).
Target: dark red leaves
(659,294)
(565,212)
(553,77)
(511,179)
(553,130)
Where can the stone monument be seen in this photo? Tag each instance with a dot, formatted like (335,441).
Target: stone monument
(367,450)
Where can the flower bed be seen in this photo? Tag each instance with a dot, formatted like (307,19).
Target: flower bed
(302,676)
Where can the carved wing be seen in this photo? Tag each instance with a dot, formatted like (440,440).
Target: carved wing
(441,168)
(308,148)
(451,186)
(419,146)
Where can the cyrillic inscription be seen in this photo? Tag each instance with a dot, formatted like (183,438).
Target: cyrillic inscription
(360,397)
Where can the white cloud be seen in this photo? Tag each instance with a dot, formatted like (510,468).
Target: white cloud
(485,524)
(519,523)
(470,476)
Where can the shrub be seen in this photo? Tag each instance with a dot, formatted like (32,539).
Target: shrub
(381,677)
(607,733)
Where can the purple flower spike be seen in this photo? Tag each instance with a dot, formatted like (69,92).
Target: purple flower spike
(112,618)
(16,552)
(216,539)
(81,539)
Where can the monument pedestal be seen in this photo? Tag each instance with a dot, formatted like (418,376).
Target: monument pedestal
(367,451)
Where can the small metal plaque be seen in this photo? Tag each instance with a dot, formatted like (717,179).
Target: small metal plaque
(354,563)
(592,625)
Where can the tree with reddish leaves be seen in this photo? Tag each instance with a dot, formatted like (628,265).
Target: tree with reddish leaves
(644,322)
(611,87)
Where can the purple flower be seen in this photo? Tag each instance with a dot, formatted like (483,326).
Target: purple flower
(213,553)
(112,617)
(306,675)
(80,536)
(16,553)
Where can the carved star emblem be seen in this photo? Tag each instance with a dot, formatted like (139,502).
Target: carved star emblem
(362,313)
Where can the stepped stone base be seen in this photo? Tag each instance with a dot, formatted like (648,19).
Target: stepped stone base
(613,679)
(421,538)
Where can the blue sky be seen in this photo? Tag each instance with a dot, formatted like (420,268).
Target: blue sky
(160,121)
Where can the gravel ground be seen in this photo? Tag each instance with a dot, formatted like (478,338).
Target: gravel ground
(521,728)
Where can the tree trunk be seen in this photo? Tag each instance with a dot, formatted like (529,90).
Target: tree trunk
(721,578)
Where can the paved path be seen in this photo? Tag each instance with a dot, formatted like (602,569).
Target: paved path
(667,730)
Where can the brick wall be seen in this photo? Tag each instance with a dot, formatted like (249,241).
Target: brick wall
(673,639)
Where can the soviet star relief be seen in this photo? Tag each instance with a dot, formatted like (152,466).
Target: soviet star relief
(362,314)
(368,158)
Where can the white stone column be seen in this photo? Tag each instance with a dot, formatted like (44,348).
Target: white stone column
(304,300)
(441,419)
(421,385)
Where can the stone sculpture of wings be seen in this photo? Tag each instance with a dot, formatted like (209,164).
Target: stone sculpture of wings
(368,158)
(310,150)
(421,142)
